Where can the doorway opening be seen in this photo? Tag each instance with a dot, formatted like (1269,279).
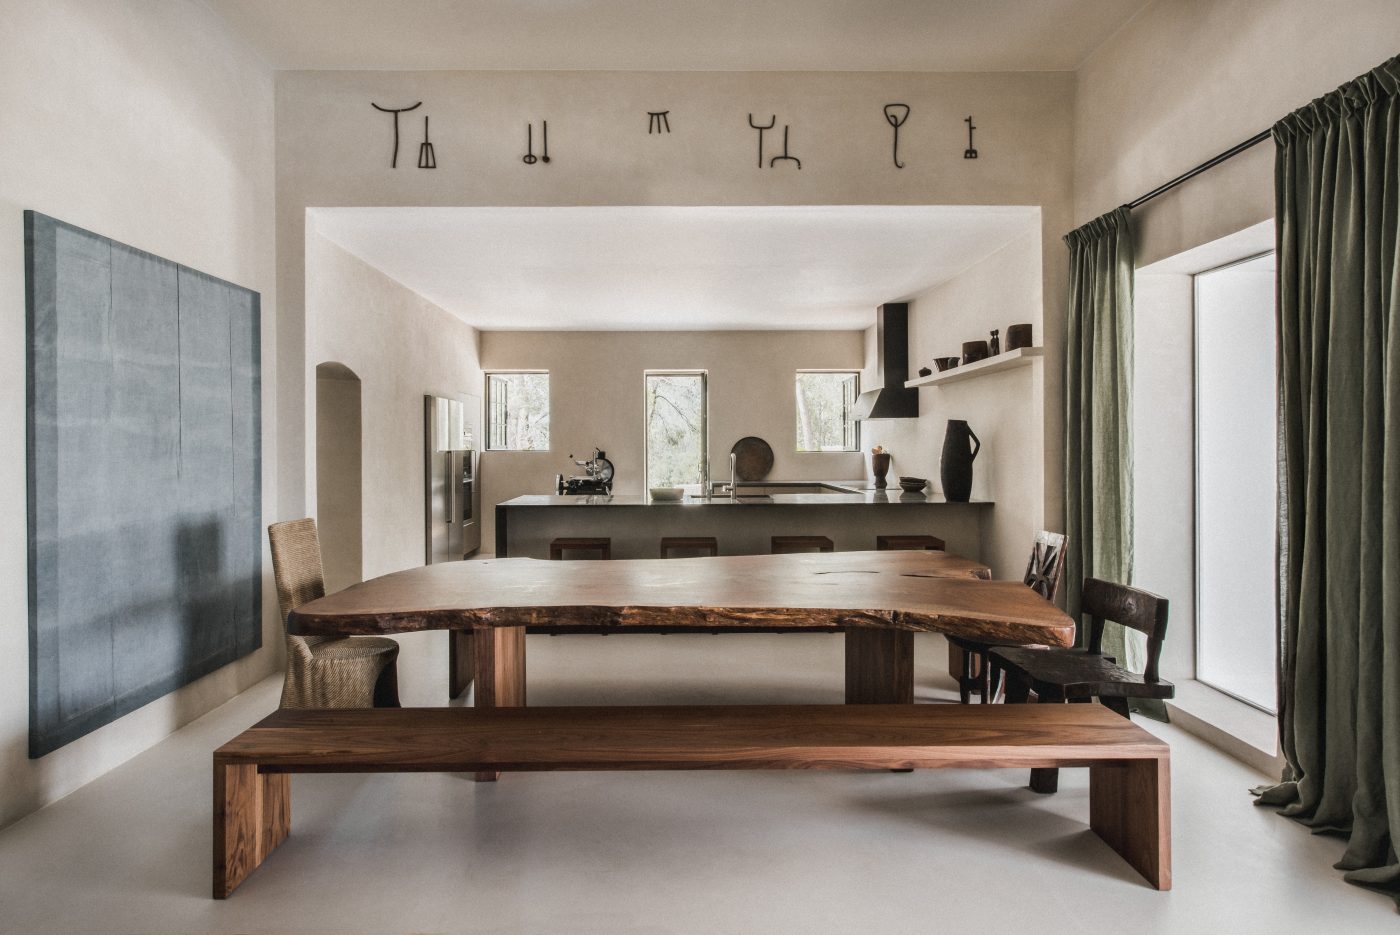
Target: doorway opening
(339,456)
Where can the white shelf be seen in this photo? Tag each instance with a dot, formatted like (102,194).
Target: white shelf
(1007,360)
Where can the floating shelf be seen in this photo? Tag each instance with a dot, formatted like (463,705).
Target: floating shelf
(1007,360)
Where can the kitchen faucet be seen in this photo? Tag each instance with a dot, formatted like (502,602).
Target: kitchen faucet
(733,479)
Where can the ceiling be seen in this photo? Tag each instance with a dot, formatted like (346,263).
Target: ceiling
(679,35)
(672,268)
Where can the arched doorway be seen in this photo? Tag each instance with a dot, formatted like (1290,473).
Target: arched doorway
(339,507)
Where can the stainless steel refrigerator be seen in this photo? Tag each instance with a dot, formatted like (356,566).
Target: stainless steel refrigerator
(453,505)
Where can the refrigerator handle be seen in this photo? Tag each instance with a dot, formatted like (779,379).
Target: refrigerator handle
(451,489)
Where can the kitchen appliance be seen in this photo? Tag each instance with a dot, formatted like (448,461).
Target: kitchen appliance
(892,399)
(597,477)
(452,511)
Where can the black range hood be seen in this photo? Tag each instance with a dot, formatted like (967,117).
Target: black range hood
(891,400)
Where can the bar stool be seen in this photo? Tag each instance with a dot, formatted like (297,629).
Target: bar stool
(706,545)
(903,543)
(558,547)
(783,545)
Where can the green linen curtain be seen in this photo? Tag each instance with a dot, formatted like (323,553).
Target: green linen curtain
(1098,420)
(1337,178)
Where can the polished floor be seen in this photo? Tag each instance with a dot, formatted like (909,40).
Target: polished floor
(616,853)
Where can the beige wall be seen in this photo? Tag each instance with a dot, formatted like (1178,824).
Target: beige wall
(596,398)
(402,347)
(144,122)
(1005,409)
(333,151)
(1186,80)
(339,468)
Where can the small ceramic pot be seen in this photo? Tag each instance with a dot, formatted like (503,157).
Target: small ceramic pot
(1018,336)
(974,351)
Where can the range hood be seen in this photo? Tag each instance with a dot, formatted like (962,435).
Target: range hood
(891,400)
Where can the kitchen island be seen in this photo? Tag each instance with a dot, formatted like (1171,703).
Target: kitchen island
(851,514)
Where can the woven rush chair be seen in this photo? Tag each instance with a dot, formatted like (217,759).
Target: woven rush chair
(1081,675)
(1044,572)
(325,671)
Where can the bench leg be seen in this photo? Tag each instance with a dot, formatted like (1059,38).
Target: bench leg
(459,662)
(879,666)
(1130,809)
(252,815)
(498,655)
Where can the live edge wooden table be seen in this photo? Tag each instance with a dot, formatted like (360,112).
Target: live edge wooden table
(879,599)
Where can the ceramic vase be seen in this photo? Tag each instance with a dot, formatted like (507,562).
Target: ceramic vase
(960,447)
(880,466)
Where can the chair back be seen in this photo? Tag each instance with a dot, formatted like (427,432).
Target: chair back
(1141,610)
(296,563)
(1047,564)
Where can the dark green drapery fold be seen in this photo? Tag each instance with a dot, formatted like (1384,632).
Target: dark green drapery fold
(1098,418)
(1337,178)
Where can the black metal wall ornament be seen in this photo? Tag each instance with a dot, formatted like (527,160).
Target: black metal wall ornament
(772,122)
(895,115)
(394,162)
(427,158)
(971,151)
(785,155)
(530,158)
(658,122)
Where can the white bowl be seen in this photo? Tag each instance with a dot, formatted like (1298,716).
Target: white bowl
(667,493)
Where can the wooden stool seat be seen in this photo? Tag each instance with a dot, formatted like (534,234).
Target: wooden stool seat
(901,543)
(706,544)
(782,545)
(557,548)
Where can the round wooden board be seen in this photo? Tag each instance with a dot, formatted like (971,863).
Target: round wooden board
(755,458)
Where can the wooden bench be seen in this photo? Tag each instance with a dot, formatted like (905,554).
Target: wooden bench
(1129,769)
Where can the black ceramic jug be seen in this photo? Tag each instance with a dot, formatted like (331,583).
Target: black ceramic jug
(958,455)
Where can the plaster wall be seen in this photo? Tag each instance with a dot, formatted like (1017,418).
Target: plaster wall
(148,123)
(1005,409)
(333,150)
(402,347)
(597,399)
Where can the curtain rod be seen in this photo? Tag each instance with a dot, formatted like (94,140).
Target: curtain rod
(1208,164)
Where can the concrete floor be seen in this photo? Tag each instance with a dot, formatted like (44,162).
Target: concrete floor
(742,852)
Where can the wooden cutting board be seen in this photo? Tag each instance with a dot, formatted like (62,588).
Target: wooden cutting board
(755,458)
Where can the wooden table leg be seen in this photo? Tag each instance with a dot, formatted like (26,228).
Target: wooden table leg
(498,655)
(879,666)
(460,664)
(252,815)
(1130,808)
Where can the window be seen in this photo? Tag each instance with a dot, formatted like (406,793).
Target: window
(1236,480)
(677,409)
(518,407)
(826,402)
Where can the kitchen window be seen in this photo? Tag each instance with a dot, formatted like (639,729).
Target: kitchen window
(518,411)
(677,411)
(826,402)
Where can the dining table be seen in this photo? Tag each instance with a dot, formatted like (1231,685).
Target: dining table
(878,599)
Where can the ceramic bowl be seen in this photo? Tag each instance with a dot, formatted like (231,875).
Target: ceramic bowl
(913,484)
(667,493)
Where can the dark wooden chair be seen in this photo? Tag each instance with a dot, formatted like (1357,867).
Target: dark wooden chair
(907,543)
(781,545)
(967,659)
(1081,675)
(602,547)
(705,545)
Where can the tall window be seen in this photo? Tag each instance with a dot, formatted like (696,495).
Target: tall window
(826,402)
(518,411)
(1236,480)
(677,409)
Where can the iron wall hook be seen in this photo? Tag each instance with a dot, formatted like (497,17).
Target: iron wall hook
(394,162)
